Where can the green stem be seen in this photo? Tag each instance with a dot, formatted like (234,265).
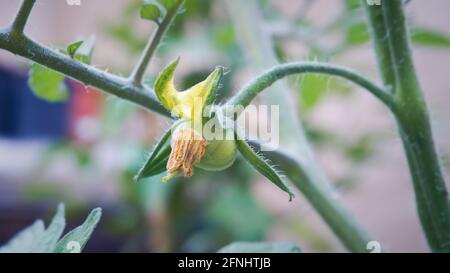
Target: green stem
(314,184)
(23,14)
(415,130)
(379,35)
(153,43)
(246,95)
(88,75)
(330,209)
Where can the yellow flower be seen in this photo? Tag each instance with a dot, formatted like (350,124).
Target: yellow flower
(188,146)
(188,104)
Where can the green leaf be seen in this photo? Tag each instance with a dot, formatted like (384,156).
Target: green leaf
(25,241)
(357,33)
(35,239)
(47,84)
(156,162)
(426,37)
(168,4)
(312,89)
(85,50)
(80,235)
(47,243)
(150,12)
(261,165)
(73,47)
(352,4)
(251,247)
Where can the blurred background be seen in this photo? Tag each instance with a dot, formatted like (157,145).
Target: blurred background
(84,152)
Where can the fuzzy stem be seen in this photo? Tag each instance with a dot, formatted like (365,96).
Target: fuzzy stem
(316,187)
(329,208)
(153,43)
(414,124)
(23,14)
(379,35)
(245,96)
(90,76)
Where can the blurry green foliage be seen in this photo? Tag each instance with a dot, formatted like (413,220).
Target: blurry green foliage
(38,239)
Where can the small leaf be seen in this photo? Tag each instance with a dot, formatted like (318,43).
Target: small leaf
(150,12)
(47,243)
(352,5)
(251,247)
(81,234)
(47,84)
(73,47)
(156,162)
(357,34)
(85,51)
(261,165)
(168,4)
(25,241)
(312,89)
(426,37)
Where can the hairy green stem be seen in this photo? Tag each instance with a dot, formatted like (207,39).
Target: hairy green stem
(414,124)
(153,43)
(88,75)
(258,46)
(379,35)
(246,95)
(335,215)
(23,14)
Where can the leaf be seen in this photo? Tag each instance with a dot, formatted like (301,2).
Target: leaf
(47,84)
(357,34)
(85,50)
(37,239)
(261,165)
(25,241)
(352,4)
(73,47)
(251,247)
(81,234)
(312,88)
(156,162)
(426,37)
(168,4)
(47,243)
(150,12)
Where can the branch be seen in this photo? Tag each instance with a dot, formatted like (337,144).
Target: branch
(153,43)
(266,79)
(90,76)
(380,38)
(392,46)
(22,16)
(415,129)
(315,185)
(332,212)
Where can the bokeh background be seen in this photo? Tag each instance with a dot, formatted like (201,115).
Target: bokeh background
(85,152)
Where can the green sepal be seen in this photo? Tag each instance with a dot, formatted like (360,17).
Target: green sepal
(261,165)
(157,161)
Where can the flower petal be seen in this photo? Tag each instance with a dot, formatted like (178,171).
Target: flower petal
(187,104)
